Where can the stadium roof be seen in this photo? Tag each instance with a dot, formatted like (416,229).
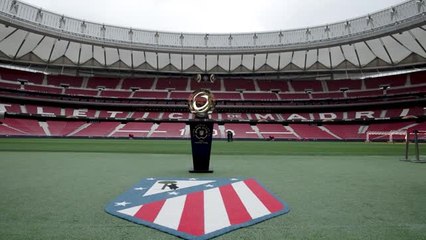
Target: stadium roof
(213,16)
(388,39)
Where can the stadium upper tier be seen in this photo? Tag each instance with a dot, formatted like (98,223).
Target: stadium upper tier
(391,38)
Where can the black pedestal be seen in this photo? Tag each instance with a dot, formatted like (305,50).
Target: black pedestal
(201,143)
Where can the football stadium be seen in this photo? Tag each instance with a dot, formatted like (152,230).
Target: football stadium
(110,132)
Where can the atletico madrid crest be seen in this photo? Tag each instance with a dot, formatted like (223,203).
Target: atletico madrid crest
(194,208)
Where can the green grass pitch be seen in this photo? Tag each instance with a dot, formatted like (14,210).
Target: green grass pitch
(57,188)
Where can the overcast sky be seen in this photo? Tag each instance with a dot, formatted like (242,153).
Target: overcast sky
(214,16)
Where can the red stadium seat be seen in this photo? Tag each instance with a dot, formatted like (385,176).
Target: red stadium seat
(96,82)
(59,80)
(141,83)
(172,83)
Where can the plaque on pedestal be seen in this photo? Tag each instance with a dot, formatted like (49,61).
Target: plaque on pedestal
(201,143)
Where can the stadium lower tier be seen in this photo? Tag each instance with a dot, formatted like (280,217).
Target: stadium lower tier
(113,129)
(84,113)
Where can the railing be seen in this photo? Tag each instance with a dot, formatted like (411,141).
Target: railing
(15,12)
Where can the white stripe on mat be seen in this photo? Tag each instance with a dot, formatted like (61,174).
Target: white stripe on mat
(215,214)
(253,205)
(171,212)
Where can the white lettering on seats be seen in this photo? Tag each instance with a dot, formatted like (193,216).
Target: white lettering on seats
(367,114)
(80,112)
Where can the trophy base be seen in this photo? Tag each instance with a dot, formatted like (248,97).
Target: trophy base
(200,171)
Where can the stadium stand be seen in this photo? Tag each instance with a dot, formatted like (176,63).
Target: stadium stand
(81,113)
(212,86)
(365,93)
(179,95)
(407,90)
(95,129)
(365,112)
(346,131)
(389,126)
(307,85)
(137,83)
(260,96)
(176,115)
(63,128)
(115,93)
(10,85)
(103,82)
(6,130)
(272,85)
(18,76)
(230,116)
(113,114)
(42,89)
(11,108)
(417,126)
(168,130)
(327,95)
(146,115)
(276,131)
(393,81)
(43,110)
(150,94)
(239,84)
(133,129)
(312,132)
(80,91)
(264,86)
(61,80)
(417,78)
(219,132)
(294,96)
(242,131)
(227,95)
(28,127)
(295,131)
(337,85)
(172,83)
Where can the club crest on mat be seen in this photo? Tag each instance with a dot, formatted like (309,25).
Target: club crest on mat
(197,208)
